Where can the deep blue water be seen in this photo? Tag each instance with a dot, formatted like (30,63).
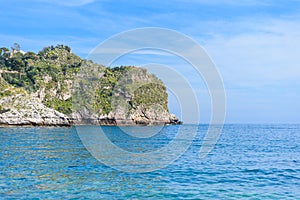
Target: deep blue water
(248,162)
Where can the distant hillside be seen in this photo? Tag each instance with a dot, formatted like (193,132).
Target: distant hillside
(44,89)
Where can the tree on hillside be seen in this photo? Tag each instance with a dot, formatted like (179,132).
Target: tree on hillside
(3,51)
(16,47)
(4,54)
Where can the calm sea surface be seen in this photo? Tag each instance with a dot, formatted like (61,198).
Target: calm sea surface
(248,162)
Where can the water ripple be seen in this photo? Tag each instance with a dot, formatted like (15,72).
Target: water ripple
(248,162)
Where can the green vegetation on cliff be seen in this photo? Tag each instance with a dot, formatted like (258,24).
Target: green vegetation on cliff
(27,70)
(50,75)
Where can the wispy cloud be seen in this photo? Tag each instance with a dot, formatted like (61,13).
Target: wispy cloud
(232,2)
(70,2)
(263,57)
(79,45)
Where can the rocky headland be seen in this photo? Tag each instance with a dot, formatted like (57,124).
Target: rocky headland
(57,88)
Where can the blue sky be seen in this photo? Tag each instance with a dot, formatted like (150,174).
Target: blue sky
(254,44)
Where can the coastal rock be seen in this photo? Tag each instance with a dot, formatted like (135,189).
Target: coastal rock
(26,110)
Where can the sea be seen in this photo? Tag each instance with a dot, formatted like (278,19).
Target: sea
(248,161)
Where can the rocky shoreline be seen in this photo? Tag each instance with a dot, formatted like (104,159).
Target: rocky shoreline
(26,110)
(126,123)
(67,122)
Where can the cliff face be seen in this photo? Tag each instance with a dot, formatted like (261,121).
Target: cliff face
(56,87)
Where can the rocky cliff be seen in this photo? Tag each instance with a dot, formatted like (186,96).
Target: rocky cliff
(57,88)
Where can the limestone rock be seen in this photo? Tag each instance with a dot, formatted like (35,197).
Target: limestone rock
(27,110)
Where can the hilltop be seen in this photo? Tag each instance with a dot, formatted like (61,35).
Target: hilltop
(55,87)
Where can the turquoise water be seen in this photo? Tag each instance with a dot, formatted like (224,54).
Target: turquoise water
(248,162)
